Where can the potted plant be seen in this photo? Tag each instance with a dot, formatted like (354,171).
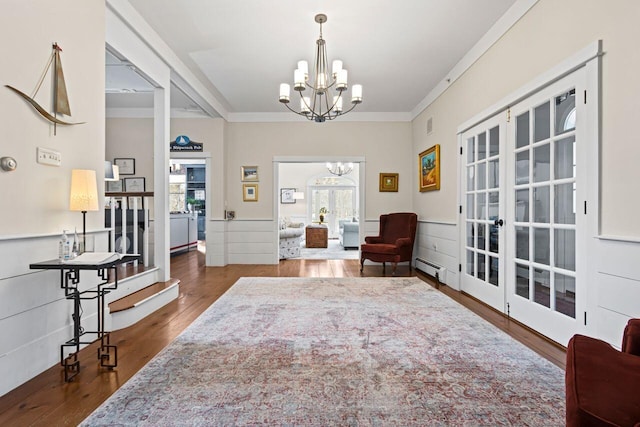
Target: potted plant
(323,212)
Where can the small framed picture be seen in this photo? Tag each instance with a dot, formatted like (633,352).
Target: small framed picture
(286,195)
(126,166)
(114,186)
(388,182)
(134,185)
(249,173)
(249,192)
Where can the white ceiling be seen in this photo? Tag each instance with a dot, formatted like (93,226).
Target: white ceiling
(243,49)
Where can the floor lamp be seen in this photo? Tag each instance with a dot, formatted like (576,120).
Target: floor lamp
(83,196)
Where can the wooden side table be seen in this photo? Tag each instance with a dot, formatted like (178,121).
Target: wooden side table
(317,236)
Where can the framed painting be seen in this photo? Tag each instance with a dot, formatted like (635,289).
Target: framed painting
(388,182)
(114,186)
(249,173)
(134,185)
(249,192)
(286,195)
(126,166)
(429,169)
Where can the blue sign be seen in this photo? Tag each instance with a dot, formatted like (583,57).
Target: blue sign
(184,143)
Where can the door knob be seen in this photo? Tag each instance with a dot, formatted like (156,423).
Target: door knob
(498,222)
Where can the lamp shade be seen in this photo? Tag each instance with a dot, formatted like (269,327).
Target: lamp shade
(84,190)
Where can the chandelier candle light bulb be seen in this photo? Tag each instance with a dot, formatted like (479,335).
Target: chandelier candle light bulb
(318,106)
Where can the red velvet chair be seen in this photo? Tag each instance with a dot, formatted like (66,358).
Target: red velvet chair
(395,240)
(602,383)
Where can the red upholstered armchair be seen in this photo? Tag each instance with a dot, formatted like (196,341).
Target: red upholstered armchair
(602,383)
(394,242)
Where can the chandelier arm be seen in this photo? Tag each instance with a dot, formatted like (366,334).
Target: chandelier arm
(294,111)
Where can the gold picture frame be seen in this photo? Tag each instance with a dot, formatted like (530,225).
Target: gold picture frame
(249,173)
(429,169)
(249,192)
(388,182)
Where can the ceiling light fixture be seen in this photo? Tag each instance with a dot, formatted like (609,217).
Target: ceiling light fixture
(340,168)
(321,105)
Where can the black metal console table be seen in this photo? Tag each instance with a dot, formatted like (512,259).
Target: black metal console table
(69,281)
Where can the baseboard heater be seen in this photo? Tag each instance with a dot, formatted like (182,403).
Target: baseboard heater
(428,267)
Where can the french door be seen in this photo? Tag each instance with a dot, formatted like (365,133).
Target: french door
(547,233)
(339,201)
(522,226)
(483,205)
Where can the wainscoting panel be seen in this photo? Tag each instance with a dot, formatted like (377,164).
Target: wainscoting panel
(216,243)
(252,242)
(35,317)
(616,283)
(437,243)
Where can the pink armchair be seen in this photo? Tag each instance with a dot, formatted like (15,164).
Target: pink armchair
(395,240)
(602,383)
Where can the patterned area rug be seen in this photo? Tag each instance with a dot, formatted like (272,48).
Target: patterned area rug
(347,352)
(333,251)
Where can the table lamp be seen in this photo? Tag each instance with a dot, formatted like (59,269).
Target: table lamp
(83,196)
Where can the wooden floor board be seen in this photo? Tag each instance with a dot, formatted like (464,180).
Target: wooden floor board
(47,400)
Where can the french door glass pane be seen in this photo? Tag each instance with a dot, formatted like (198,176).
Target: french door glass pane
(471,150)
(541,163)
(494,141)
(522,280)
(470,234)
(482,206)
(522,167)
(541,204)
(482,146)
(522,243)
(541,287)
(481,266)
(522,130)
(471,183)
(541,246)
(542,120)
(564,158)
(493,270)
(494,173)
(565,112)
(565,249)
(565,294)
(482,176)
(470,206)
(522,205)
(481,236)
(470,263)
(564,204)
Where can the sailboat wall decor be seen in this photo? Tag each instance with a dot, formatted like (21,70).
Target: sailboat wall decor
(60,98)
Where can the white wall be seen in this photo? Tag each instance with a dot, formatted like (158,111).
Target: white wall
(34,199)
(386,147)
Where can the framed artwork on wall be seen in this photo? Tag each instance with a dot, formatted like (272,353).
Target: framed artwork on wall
(249,173)
(114,186)
(286,195)
(249,192)
(126,166)
(388,182)
(429,169)
(134,185)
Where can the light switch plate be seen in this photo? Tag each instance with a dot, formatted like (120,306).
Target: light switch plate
(50,157)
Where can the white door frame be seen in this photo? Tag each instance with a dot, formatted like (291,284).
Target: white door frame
(314,159)
(589,57)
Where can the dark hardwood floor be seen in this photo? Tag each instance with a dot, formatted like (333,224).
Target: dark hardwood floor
(48,400)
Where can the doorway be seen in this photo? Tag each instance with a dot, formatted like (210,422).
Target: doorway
(188,200)
(337,198)
(524,238)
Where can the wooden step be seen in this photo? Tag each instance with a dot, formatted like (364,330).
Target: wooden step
(136,298)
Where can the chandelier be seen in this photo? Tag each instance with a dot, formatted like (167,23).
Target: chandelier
(340,168)
(321,105)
